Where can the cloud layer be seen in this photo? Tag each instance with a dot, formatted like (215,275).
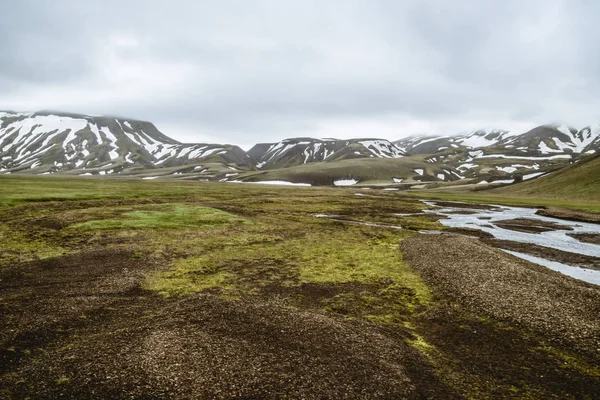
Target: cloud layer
(245,72)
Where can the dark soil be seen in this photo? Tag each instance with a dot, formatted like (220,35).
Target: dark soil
(571,215)
(464,205)
(530,225)
(586,237)
(470,232)
(515,321)
(514,362)
(548,253)
(84,319)
(81,326)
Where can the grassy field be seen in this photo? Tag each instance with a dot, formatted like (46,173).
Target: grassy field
(127,288)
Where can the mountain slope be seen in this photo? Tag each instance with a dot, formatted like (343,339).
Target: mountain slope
(580,180)
(497,156)
(431,143)
(49,142)
(542,140)
(299,151)
(394,172)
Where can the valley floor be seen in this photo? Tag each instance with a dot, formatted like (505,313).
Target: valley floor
(129,289)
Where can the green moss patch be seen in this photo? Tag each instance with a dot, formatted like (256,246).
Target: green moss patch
(17,246)
(166,216)
(357,272)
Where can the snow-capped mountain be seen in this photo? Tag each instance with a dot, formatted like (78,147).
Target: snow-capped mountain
(542,140)
(503,156)
(49,142)
(53,142)
(291,152)
(433,143)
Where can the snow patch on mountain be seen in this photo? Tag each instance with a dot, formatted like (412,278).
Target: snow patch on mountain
(60,142)
(345,182)
(290,152)
(382,148)
(531,176)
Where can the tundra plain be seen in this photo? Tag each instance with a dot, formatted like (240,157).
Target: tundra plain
(116,288)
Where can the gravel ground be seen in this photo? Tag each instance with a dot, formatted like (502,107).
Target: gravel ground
(530,225)
(586,237)
(548,253)
(571,215)
(490,282)
(79,327)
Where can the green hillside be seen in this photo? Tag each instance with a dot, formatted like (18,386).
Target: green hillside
(364,170)
(577,181)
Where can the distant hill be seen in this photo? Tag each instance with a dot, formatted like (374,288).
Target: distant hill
(401,172)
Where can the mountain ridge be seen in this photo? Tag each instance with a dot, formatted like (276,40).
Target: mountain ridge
(47,141)
(50,142)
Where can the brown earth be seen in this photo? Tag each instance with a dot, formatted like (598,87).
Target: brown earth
(470,232)
(548,253)
(85,317)
(81,326)
(530,225)
(454,204)
(490,282)
(586,237)
(571,215)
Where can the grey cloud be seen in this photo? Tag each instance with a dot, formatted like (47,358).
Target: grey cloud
(274,69)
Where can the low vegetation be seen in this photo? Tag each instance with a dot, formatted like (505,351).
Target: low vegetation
(368,171)
(127,286)
(165,216)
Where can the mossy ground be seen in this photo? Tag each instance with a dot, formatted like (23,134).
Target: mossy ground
(164,242)
(165,216)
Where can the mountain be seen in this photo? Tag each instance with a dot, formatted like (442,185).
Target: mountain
(299,151)
(498,156)
(432,143)
(51,142)
(541,140)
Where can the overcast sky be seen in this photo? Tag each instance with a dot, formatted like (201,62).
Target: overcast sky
(257,71)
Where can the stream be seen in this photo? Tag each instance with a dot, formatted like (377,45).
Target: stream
(486,220)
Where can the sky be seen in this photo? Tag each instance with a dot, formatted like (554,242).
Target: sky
(245,72)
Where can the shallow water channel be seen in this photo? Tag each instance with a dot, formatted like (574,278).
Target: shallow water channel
(486,220)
